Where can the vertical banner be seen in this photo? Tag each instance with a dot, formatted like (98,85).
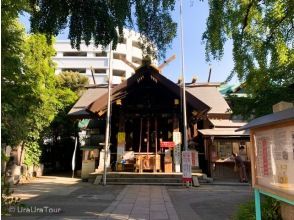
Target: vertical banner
(195,160)
(177,139)
(121,140)
(187,166)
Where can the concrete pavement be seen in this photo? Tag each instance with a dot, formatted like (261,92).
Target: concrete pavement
(209,202)
(72,199)
(141,202)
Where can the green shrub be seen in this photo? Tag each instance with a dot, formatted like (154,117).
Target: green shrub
(270,210)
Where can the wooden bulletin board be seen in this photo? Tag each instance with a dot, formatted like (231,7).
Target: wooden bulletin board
(273,159)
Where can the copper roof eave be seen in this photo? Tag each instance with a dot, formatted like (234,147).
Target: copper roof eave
(101,103)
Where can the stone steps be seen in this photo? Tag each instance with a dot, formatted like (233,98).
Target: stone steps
(125,178)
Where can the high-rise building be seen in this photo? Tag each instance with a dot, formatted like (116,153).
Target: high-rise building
(97,58)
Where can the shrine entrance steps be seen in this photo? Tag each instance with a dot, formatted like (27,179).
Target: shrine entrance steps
(131,178)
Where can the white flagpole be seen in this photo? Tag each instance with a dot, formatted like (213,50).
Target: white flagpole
(186,155)
(183,77)
(107,132)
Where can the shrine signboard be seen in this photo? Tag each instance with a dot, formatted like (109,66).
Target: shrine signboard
(273,160)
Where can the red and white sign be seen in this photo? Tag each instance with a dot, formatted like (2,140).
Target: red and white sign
(187,166)
(167,144)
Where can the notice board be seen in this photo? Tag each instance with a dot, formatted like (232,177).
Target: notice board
(273,159)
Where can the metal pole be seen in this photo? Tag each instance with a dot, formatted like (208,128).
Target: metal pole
(257,204)
(185,142)
(73,162)
(107,132)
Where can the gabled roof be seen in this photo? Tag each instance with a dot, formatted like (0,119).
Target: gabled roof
(278,117)
(143,73)
(90,95)
(212,97)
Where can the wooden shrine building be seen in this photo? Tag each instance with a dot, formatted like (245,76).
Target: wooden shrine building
(146,119)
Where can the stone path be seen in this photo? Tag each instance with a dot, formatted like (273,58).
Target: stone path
(141,203)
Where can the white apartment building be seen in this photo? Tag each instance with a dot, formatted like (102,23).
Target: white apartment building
(69,59)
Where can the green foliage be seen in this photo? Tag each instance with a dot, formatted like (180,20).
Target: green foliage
(27,85)
(246,211)
(270,209)
(262,34)
(103,21)
(70,86)
(32,97)
(261,103)
(13,110)
(72,80)
(32,153)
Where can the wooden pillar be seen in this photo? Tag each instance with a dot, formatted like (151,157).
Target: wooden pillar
(175,123)
(189,133)
(148,135)
(195,130)
(155,139)
(208,155)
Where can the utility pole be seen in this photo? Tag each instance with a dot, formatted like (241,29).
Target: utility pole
(107,132)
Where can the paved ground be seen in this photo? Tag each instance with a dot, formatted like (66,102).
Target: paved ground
(66,198)
(209,202)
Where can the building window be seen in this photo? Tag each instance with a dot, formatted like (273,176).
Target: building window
(136,44)
(74,70)
(118,56)
(101,54)
(119,73)
(136,60)
(74,54)
(100,71)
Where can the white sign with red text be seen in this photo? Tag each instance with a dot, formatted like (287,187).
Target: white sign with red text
(187,166)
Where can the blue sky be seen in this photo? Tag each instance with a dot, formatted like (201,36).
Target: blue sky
(195,15)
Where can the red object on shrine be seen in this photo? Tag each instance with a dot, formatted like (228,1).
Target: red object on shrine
(167,144)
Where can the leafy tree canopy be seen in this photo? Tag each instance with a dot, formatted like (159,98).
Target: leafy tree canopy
(103,21)
(72,80)
(262,34)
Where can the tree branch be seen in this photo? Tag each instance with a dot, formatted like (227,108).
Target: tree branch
(245,20)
